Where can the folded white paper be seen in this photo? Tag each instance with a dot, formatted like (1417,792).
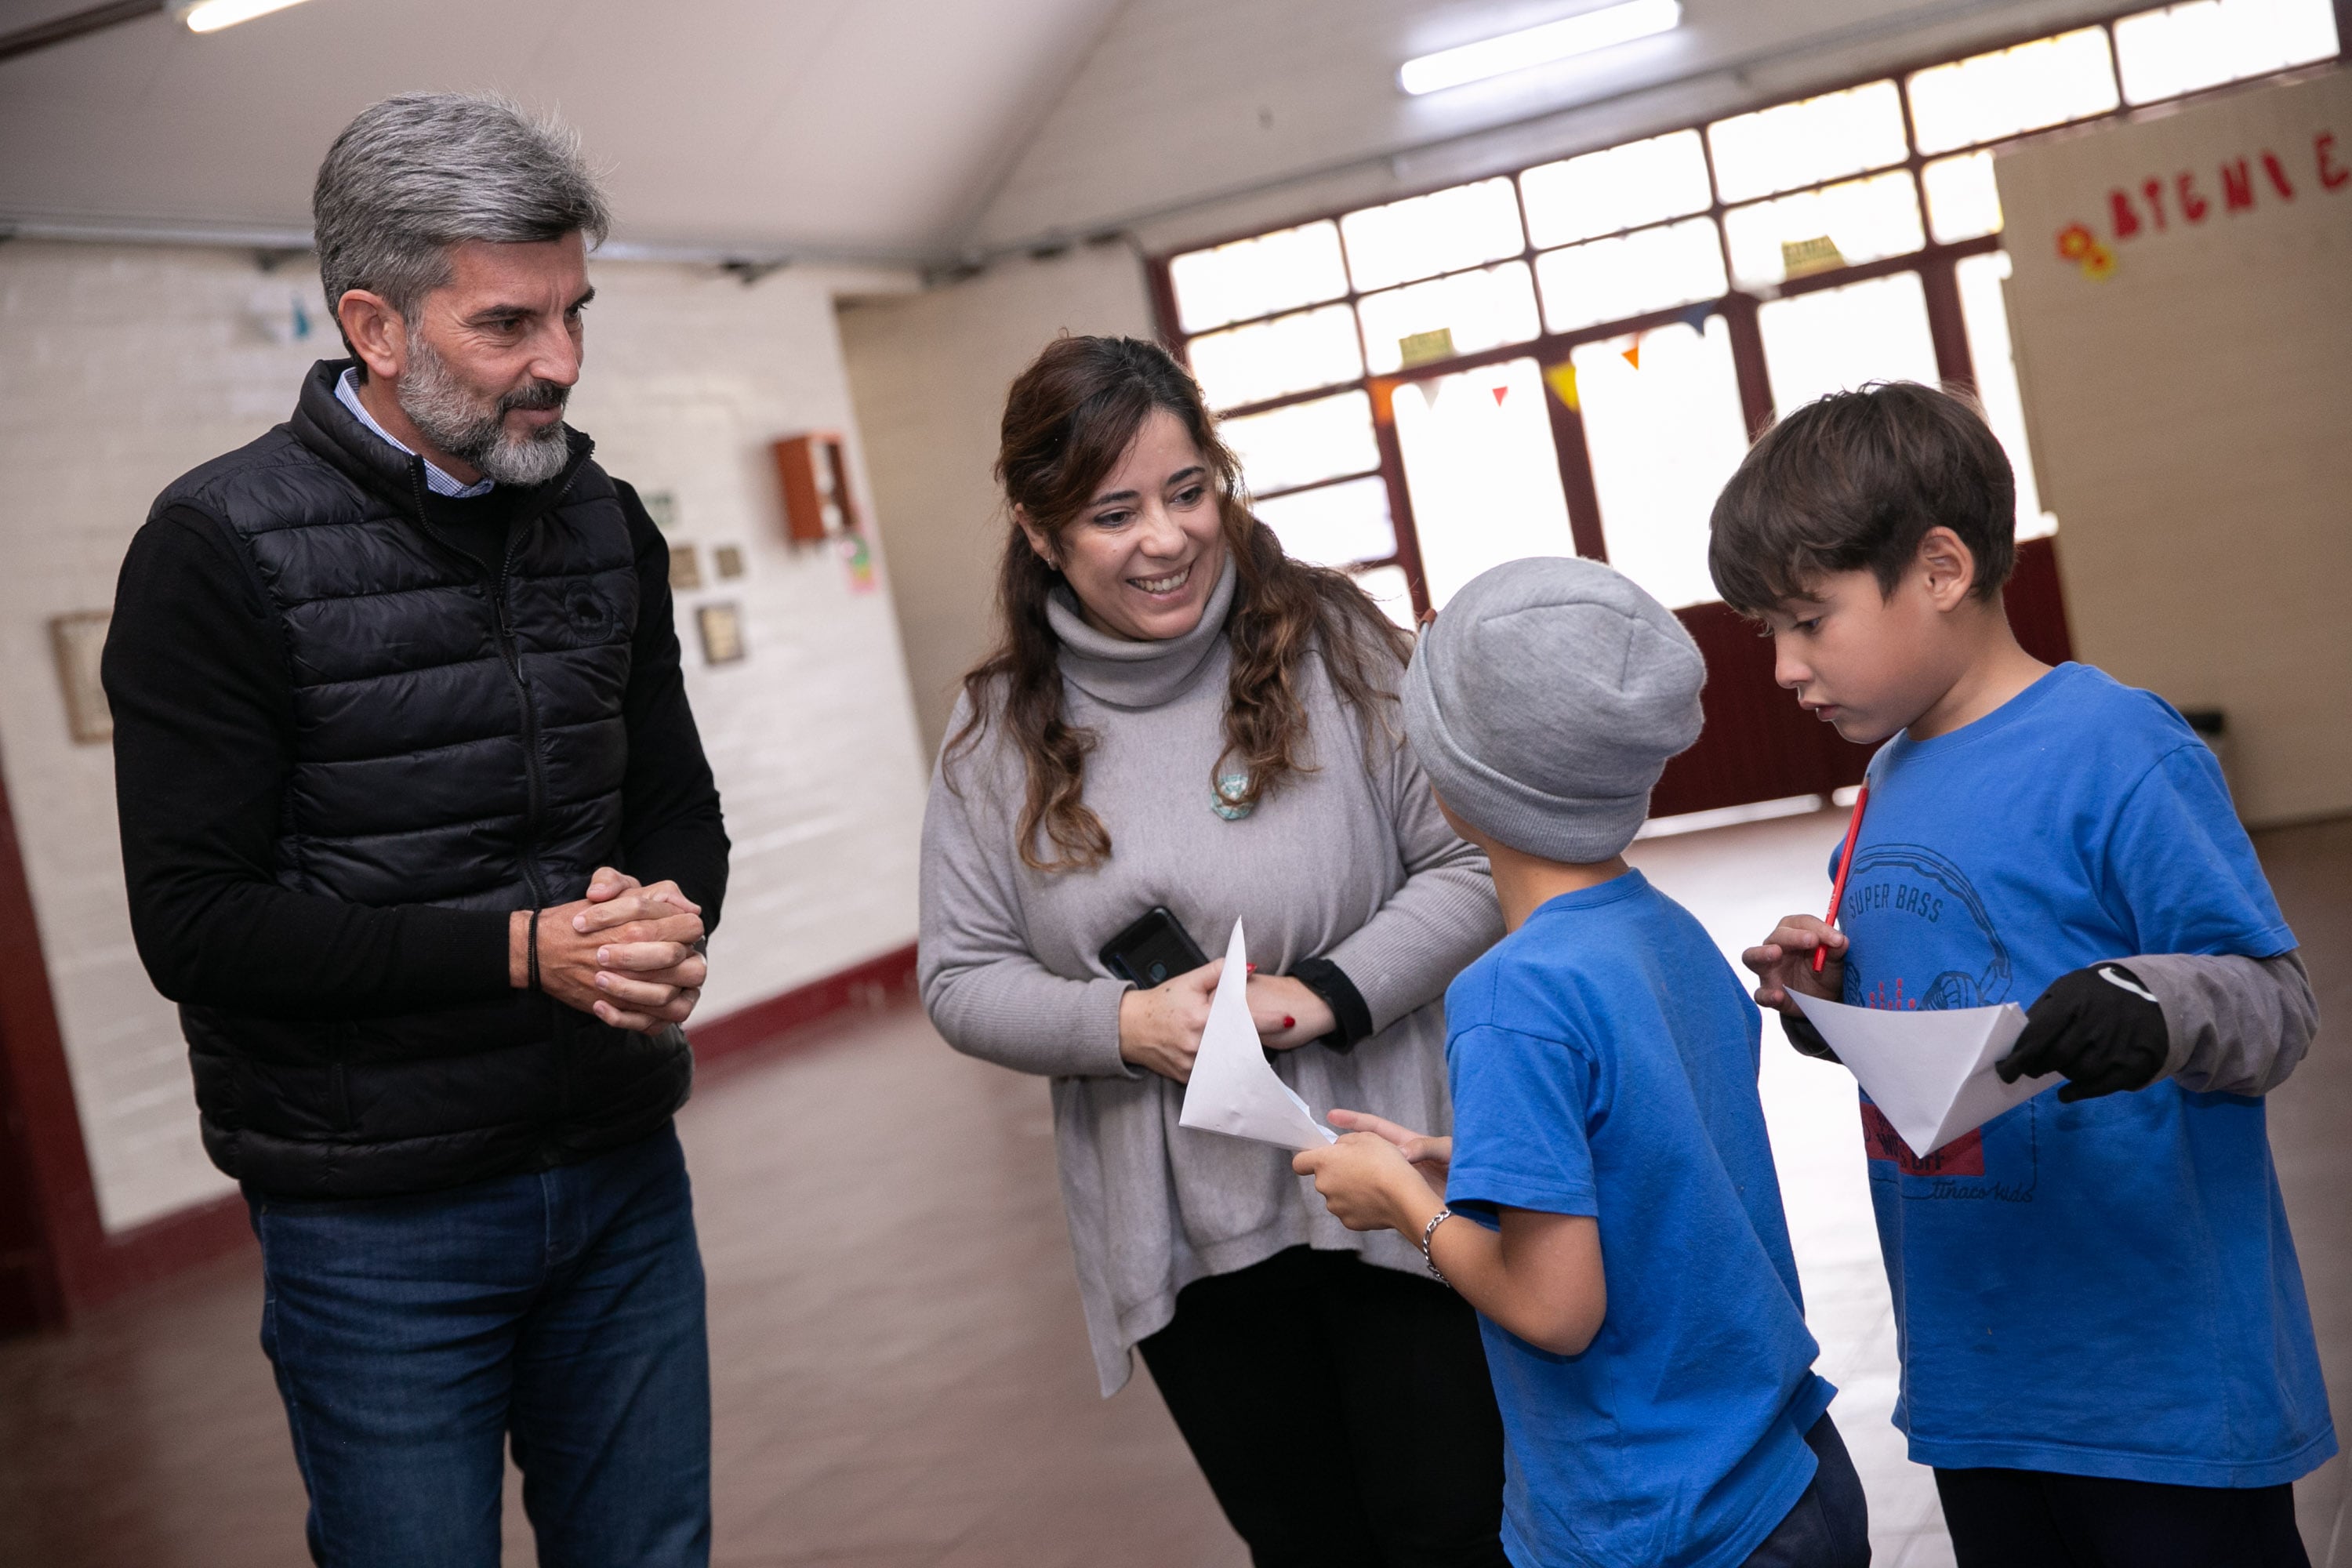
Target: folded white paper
(1929,1072)
(1234,1090)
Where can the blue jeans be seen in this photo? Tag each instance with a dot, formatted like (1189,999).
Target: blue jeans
(414,1336)
(1830,1526)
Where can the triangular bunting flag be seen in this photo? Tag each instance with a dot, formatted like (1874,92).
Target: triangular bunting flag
(1633,356)
(1500,394)
(1696,317)
(1562,379)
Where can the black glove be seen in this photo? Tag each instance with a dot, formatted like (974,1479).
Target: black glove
(2099,1026)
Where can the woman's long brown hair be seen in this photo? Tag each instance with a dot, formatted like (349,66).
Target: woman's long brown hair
(1069,419)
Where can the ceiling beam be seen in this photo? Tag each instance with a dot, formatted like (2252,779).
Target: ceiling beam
(748,262)
(74,24)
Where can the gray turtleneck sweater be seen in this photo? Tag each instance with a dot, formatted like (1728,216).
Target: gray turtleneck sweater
(1350,862)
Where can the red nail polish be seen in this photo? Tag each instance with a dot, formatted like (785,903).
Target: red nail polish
(1289,1022)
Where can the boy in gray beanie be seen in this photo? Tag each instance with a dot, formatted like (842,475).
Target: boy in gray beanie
(1546,701)
(1660,1406)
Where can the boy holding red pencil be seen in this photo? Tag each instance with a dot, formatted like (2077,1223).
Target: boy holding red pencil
(2106,1353)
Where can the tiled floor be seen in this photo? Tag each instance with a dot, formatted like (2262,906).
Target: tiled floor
(901,1373)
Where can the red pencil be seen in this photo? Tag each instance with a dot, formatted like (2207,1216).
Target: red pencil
(1845,864)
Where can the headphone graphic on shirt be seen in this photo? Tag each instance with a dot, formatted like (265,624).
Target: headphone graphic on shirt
(1952,987)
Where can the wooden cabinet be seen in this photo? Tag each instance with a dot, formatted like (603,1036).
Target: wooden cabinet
(813,473)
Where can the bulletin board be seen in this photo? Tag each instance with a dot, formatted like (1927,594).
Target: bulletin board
(2181,303)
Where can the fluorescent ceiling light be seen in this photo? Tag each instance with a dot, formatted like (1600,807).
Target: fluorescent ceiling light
(1541,46)
(212,15)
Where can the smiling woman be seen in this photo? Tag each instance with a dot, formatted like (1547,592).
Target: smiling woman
(1181,728)
(1149,547)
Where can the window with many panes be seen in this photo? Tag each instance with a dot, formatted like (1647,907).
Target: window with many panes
(1569,358)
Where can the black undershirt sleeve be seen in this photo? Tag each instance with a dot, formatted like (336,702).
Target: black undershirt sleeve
(203,722)
(1351,1015)
(672,829)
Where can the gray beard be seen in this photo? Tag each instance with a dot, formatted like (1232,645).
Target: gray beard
(464,424)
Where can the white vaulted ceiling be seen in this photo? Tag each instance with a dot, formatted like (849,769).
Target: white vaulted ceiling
(909,128)
(1216,115)
(872,126)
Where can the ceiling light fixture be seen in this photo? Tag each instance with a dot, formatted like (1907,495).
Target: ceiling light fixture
(212,15)
(1541,46)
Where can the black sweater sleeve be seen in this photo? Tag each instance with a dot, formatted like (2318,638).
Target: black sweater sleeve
(671,827)
(204,720)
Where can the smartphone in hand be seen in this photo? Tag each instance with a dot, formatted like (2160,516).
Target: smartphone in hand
(1153,950)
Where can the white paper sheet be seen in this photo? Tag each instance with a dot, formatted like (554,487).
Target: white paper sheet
(1234,1090)
(1929,1072)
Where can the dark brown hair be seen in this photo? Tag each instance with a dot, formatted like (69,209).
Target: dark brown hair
(1069,420)
(1852,482)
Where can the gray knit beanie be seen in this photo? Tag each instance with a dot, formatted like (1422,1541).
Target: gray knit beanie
(1544,701)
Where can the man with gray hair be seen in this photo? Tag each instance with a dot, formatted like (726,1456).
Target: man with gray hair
(419,834)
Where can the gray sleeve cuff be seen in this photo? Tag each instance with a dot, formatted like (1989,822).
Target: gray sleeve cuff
(2236,1025)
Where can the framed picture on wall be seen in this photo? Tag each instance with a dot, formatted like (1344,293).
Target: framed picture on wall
(722,632)
(77,639)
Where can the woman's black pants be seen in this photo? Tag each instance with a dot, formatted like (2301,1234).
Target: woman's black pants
(1342,1413)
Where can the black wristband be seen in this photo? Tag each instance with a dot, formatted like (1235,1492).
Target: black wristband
(1805,1038)
(530,955)
(1352,1017)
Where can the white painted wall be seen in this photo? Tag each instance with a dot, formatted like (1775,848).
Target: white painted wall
(690,377)
(121,368)
(2188,417)
(929,372)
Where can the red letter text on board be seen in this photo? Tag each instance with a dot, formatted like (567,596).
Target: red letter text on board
(2237,185)
(2126,218)
(2192,207)
(2277,173)
(2322,148)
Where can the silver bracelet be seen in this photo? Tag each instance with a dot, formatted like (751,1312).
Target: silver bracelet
(1428,1231)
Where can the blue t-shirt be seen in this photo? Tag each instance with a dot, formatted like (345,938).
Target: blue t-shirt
(1603,1059)
(2107,1288)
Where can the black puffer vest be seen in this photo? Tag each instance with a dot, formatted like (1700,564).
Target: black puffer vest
(458,741)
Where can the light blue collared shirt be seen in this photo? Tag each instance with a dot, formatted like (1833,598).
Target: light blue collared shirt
(347,392)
